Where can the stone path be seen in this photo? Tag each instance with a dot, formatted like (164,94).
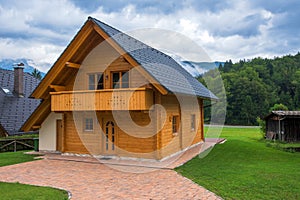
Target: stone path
(87,178)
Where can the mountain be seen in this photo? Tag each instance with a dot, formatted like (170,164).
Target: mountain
(196,68)
(9,64)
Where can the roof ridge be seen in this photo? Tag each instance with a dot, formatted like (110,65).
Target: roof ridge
(131,37)
(92,18)
(5,69)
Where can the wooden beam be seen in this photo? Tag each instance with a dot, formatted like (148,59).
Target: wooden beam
(81,36)
(36,127)
(58,88)
(73,65)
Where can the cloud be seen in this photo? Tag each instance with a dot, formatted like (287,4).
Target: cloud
(222,34)
(42,53)
(40,30)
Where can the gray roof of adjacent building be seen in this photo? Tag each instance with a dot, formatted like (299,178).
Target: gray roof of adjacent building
(164,69)
(286,113)
(15,109)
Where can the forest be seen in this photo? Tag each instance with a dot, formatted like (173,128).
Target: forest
(254,86)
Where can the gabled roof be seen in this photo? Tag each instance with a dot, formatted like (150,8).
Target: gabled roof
(14,109)
(162,67)
(166,75)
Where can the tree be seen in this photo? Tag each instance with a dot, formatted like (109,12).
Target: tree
(37,74)
(279,106)
(254,86)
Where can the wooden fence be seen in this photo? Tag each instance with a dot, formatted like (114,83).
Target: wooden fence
(19,144)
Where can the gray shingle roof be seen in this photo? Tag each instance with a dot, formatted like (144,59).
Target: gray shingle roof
(162,67)
(14,110)
(286,113)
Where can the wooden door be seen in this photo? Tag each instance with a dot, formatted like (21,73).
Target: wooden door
(59,135)
(110,137)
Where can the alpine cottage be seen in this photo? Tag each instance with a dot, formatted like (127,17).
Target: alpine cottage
(109,94)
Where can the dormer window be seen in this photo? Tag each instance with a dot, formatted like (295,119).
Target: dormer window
(96,81)
(120,80)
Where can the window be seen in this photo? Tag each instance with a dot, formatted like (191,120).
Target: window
(193,122)
(110,134)
(120,80)
(175,124)
(89,124)
(96,81)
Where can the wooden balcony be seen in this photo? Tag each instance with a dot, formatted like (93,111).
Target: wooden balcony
(102,100)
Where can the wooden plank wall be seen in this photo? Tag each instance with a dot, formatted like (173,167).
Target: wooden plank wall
(137,144)
(186,137)
(77,141)
(191,106)
(170,143)
(104,59)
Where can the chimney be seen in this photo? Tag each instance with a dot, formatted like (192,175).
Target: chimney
(18,80)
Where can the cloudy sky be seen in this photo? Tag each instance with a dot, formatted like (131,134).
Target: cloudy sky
(40,30)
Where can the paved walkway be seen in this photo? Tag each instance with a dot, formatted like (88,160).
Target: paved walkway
(87,178)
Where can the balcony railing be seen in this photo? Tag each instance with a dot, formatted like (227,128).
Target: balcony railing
(102,100)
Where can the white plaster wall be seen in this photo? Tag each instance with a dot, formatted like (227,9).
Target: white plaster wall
(47,133)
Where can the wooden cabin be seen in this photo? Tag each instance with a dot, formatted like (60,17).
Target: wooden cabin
(283,126)
(109,94)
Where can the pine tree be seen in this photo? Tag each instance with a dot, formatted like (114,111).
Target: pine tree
(36,73)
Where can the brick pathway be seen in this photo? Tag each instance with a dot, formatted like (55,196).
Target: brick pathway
(87,178)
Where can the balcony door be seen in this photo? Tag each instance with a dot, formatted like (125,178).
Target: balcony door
(110,137)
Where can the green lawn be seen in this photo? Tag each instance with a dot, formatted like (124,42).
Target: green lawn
(21,191)
(245,168)
(11,158)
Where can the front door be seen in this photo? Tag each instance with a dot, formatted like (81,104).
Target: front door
(110,137)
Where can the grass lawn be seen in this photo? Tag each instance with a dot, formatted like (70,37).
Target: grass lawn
(22,191)
(245,168)
(11,158)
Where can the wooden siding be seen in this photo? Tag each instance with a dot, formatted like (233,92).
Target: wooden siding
(76,140)
(110,61)
(121,99)
(136,143)
(172,143)
(72,142)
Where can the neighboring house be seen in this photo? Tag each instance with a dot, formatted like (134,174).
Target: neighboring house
(15,106)
(98,99)
(283,125)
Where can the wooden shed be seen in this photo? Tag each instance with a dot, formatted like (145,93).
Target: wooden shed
(283,125)
(109,94)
